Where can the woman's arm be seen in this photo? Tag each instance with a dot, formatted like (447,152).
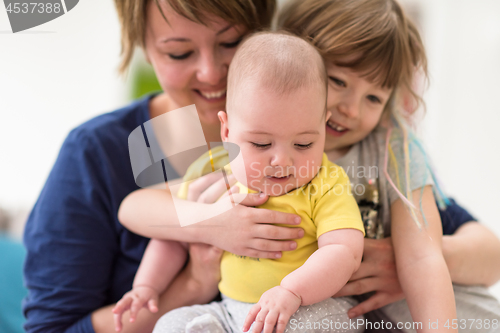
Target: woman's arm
(196,284)
(473,255)
(421,268)
(252,235)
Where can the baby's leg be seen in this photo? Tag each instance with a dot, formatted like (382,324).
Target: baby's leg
(211,317)
(160,263)
(477,312)
(327,316)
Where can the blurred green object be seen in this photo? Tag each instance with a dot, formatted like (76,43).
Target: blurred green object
(12,290)
(144,81)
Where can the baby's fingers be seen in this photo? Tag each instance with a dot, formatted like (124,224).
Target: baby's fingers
(250,318)
(117,317)
(122,305)
(259,321)
(270,321)
(281,323)
(137,304)
(153,304)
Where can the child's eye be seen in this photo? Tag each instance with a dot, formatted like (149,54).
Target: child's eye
(307,146)
(338,82)
(231,45)
(374,99)
(261,146)
(180,56)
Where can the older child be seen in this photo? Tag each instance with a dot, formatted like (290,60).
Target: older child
(372,51)
(276,115)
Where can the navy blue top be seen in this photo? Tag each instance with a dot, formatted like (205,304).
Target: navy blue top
(79,257)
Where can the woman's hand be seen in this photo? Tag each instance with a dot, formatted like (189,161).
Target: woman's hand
(203,269)
(243,230)
(377,273)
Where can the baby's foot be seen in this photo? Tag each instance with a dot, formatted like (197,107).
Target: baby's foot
(206,323)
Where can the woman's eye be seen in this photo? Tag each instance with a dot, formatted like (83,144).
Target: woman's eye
(231,45)
(374,99)
(338,82)
(180,56)
(261,146)
(307,146)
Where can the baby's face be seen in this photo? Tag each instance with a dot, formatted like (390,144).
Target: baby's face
(281,137)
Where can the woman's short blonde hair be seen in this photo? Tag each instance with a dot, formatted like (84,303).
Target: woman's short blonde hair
(253,14)
(372,37)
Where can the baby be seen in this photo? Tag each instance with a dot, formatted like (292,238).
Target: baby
(276,114)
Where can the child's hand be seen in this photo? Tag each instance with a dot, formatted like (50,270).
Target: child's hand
(139,297)
(274,308)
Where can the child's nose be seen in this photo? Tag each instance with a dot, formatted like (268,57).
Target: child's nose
(281,159)
(349,107)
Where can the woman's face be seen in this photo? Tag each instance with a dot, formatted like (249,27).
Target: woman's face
(356,106)
(190,59)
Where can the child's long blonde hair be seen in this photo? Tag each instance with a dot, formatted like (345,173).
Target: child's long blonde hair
(376,39)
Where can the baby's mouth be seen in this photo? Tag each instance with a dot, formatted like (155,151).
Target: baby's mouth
(279,179)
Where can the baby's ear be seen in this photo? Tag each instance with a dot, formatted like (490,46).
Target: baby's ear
(328,115)
(224,129)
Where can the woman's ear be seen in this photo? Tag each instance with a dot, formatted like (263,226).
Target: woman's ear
(224,129)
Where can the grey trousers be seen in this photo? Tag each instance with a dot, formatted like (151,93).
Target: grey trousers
(477,312)
(229,315)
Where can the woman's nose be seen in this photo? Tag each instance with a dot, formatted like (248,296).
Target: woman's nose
(211,69)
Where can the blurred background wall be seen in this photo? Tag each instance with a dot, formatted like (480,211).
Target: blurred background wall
(58,75)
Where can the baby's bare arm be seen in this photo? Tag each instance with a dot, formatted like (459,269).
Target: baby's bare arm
(329,268)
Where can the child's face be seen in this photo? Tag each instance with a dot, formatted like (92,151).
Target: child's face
(281,137)
(356,107)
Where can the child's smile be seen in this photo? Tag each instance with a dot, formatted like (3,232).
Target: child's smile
(356,106)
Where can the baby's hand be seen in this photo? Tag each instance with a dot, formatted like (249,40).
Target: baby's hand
(274,308)
(139,297)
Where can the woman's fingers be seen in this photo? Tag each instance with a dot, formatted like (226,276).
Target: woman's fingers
(359,287)
(376,301)
(200,185)
(267,231)
(275,217)
(212,193)
(233,190)
(365,270)
(249,199)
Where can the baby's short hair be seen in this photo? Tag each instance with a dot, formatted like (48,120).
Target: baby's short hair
(279,61)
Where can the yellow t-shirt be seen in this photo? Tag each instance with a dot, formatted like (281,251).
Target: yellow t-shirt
(324,204)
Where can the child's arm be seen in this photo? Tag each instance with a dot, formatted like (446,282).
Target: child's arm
(161,262)
(421,268)
(249,237)
(322,275)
